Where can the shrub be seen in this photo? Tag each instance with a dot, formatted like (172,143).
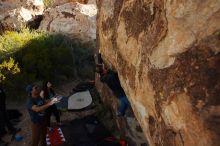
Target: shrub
(48,3)
(12,41)
(41,55)
(8,67)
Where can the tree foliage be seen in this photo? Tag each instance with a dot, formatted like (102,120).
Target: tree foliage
(48,3)
(7,68)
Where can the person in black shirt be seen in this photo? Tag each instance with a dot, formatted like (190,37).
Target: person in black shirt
(111,79)
(4,120)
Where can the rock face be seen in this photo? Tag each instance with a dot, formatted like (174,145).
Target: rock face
(15,13)
(166,53)
(1,29)
(129,127)
(60,2)
(73,18)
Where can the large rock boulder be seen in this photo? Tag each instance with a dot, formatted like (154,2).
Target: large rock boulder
(15,14)
(167,57)
(36,7)
(74,19)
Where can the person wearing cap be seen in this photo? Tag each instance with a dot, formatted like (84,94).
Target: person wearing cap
(36,107)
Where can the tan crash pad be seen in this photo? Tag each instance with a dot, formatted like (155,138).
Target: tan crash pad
(79,100)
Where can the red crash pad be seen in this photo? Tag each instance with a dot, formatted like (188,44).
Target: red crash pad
(54,136)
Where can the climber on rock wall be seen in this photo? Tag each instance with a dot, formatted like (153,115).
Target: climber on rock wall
(111,79)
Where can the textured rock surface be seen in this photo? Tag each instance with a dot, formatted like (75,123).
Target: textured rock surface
(74,19)
(61,2)
(1,28)
(167,55)
(15,13)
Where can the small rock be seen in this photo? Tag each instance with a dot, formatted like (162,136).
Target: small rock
(200,104)
(185,90)
(196,67)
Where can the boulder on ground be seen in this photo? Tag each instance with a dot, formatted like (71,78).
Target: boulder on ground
(14,14)
(74,19)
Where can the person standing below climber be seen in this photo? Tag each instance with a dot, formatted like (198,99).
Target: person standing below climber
(111,79)
(4,120)
(36,107)
(48,93)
